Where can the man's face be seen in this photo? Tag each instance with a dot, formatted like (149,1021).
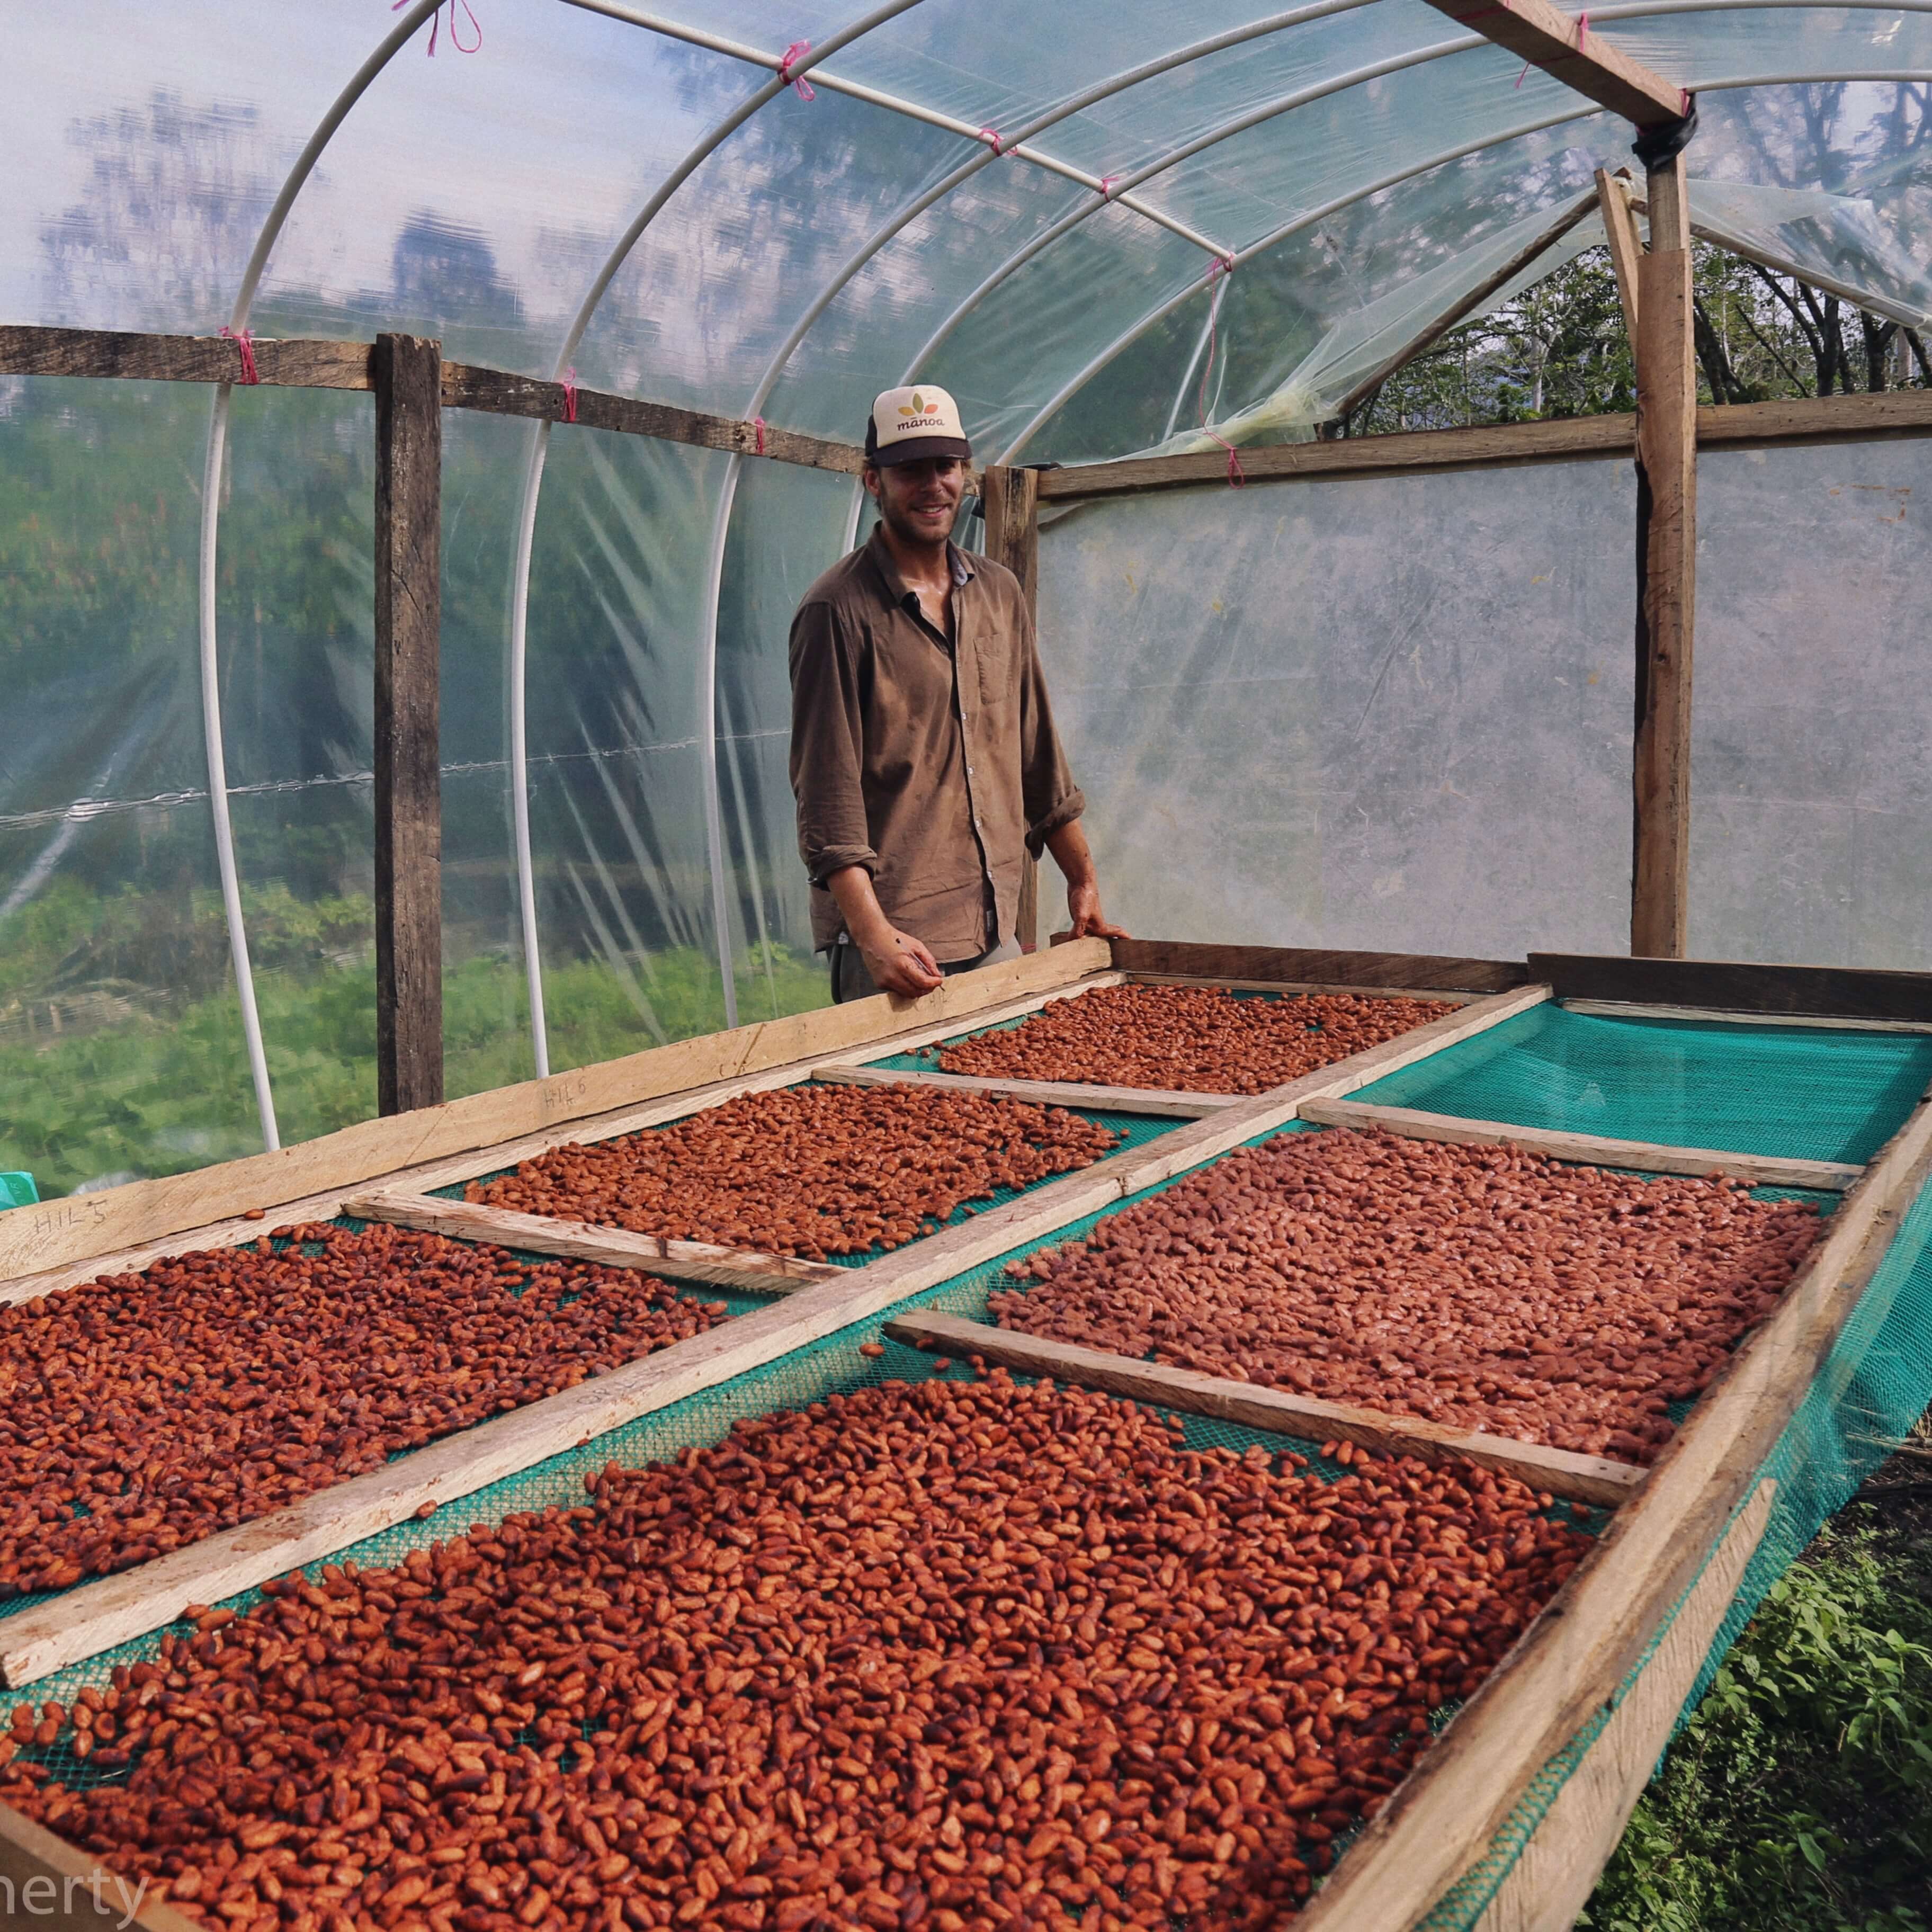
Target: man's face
(918,502)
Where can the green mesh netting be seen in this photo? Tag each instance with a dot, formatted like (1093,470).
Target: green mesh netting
(1813,1093)
(1874,1385)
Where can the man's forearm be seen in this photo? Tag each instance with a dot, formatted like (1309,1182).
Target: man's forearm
(858,904)
(1071,853)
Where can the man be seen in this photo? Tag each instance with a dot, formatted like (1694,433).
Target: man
(923,754)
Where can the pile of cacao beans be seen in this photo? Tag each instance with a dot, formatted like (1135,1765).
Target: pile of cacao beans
(812,1171)
(966,1657)
(1195,1039)
(1483,1287)
(141,1412)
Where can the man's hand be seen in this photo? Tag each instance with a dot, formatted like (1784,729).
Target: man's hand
(898,963)
(1068,844)
(1083,907)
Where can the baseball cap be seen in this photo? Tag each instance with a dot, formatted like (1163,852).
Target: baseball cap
(911,425)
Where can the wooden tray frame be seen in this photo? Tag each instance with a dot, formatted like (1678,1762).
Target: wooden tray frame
(1701,1501)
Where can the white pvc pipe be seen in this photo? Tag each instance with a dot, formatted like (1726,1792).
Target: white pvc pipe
(914,110)
(535,452)
(1252,117)
(208,641)
(707,727)
(1627,9)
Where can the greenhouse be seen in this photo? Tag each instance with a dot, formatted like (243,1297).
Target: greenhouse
(1281,1418)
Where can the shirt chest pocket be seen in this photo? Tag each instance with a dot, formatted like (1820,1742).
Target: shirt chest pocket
(999,678)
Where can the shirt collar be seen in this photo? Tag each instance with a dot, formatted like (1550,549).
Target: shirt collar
(960,561)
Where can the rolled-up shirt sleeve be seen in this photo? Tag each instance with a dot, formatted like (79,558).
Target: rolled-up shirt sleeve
(1048,793)
(826,744)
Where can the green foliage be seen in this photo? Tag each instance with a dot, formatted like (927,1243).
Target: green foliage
(1559,349)
(104,1076)
(1799,1795)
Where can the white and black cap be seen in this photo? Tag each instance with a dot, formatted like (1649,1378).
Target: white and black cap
(912,425)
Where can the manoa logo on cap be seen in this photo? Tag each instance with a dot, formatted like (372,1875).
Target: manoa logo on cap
(909,424)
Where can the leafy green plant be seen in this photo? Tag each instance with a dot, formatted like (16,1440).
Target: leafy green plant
(121,1048)
(1799,1795)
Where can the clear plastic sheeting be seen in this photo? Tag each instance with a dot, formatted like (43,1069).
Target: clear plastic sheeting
(1809,731)
(1361,162)
(1388,714)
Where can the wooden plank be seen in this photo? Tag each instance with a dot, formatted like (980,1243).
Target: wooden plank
(1578,1652)
(1647,1157)
(991,1017)
(1666,419)
(1540,34)
(1589,1479)
(1524,258)
(1799,422)
(1049,1093)
(744,1269)
(1556,1872)
(429,1175)
(1295,986)
(467,387)
(1489,446)
(38,1238)
(1735,987)
(48,1884)
(84,1621)
(1626,247)
(133,357)
(1804,421)
(1630,1009)
(409,780)
(1295,965)
(1011,499)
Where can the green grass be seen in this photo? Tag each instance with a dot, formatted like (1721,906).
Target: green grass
(1798,1799)
(163,1087)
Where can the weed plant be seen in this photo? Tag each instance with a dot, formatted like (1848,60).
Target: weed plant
(1798,1798)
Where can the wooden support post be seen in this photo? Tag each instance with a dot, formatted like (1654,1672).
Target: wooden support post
(1613,203)
(1667,440)
(409,804)
(1012,500)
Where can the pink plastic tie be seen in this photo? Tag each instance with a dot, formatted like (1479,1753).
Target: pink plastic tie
(245,343)
(803,89)
(758,424)
(1107,187)
(1582,28)
(1222,265)
(435,24)
(570,393)
(991,135)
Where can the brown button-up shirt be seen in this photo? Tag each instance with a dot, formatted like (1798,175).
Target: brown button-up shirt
(934,766)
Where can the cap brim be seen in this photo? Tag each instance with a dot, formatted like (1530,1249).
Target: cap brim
(920,449)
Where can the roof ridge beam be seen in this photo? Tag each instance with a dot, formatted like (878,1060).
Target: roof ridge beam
(1546,37)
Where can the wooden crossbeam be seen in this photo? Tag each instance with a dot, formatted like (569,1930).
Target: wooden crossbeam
(1546,37)
(131,355)
(743,1269)
(1591,1150)
(1049,1093)
(1557,1472)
